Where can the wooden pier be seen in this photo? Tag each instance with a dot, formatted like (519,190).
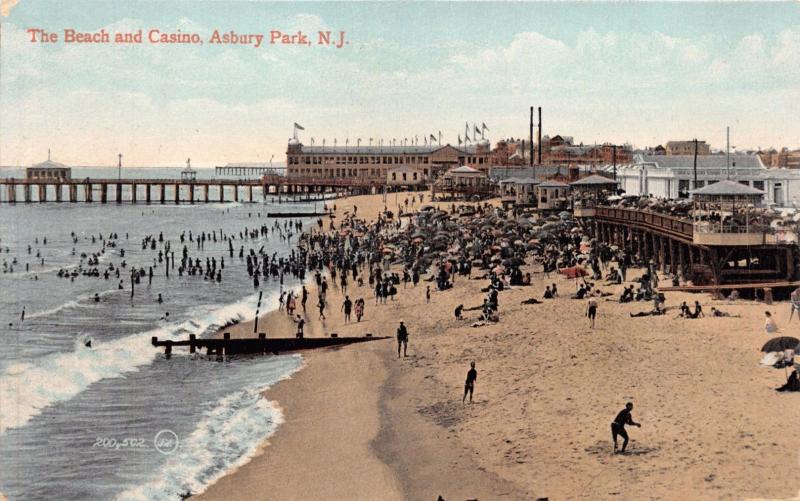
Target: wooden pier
(670,243)
(105,190)
(262,345)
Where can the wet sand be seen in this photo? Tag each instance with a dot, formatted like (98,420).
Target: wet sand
(361,424)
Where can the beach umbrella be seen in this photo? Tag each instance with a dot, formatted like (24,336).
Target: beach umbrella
(573,272)
(781,343)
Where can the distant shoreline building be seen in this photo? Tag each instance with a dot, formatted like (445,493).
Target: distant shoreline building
(561,150)
(687,148)
(787,159)
(672,176)
(374,163)
(255,169)
(48,170)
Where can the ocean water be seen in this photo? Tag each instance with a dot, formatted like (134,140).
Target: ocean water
(117,420)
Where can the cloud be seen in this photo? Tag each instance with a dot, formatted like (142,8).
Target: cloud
(224,104)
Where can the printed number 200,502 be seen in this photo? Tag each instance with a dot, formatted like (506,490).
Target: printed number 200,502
(113,443)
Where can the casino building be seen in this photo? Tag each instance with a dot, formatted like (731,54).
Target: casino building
(374,163)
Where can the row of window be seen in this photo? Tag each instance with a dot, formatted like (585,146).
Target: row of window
(404,177)
(683,184)
(382,160)
(49,173)
(345,172)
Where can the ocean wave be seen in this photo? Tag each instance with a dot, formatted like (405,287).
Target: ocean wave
(87,299)
(227,437)
(60,377)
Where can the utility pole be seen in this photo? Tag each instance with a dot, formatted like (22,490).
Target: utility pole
(695,164)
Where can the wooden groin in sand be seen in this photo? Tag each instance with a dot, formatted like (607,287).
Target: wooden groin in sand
(228,346)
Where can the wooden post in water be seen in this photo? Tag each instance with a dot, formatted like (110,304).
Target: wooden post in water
(192,339)
(221,193)
(42,193)
(133,193)
(177,193)
(119,192)
(226,337)
(163,190)
(104,193)
(191,193)
(58,192)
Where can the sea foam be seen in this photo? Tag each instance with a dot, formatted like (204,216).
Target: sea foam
(26,389)
(227,436)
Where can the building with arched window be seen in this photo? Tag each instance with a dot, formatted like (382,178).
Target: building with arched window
(373,163)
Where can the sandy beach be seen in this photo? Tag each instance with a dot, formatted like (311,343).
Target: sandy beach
(363,424)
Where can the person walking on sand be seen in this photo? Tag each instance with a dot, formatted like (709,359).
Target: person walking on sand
(618,426)
(469,385)
(305,298)
(321,306)
(428,294)
(359,309)
(347,307)
(300,325)
(591,310)
(402,339)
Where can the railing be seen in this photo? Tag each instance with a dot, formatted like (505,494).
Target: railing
(678,227)
(227,182)
(701,232)
(715,227)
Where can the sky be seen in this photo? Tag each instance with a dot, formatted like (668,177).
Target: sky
(637,73)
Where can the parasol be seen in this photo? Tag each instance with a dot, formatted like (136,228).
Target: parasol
(781,343)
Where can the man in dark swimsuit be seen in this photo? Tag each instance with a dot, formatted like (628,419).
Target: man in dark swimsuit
(347,307)
(402,339)
(469,385)
(618,426)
